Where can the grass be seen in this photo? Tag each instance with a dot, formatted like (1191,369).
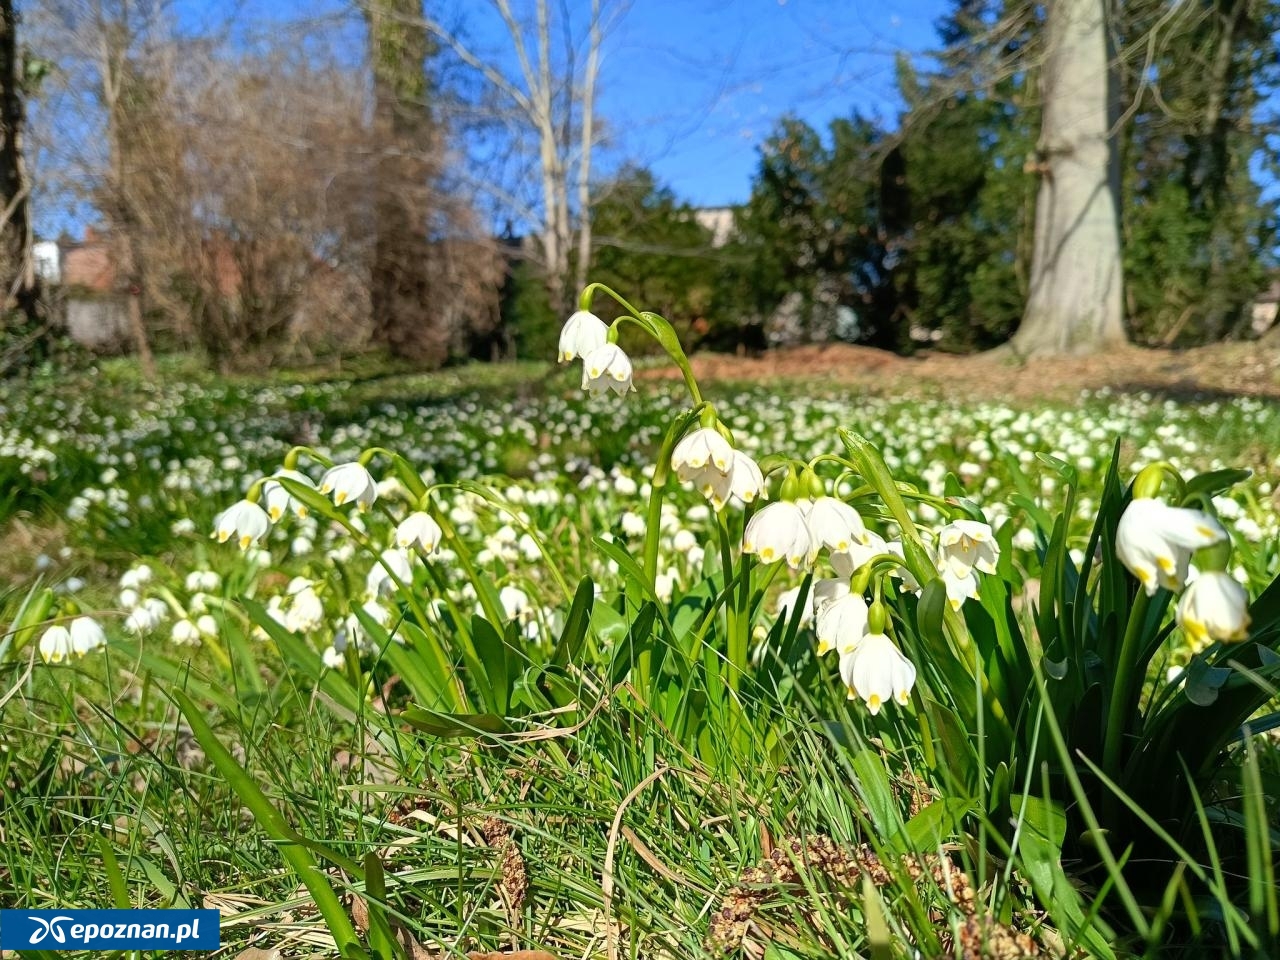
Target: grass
(624,821)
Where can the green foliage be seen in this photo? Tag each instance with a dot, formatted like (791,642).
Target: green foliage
(650,244)
(1198,232)
(527,311)
(816,226)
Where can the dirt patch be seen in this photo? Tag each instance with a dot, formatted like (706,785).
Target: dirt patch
(1233,369)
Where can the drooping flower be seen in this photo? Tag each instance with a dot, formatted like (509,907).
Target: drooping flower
(392,565)
(306,611)
(965,545)
(185,633)
(960,587)
(86,635)
(420,530)
(55,644)
(581,334)
(1214,607)
(515,604)
(837,525)
(780,532)
(277,499)
(876,671)
(841,623)
(1155,541)
(350,483)
(787,605)
(246,521)
(699,449)
(607,368)
(744,481)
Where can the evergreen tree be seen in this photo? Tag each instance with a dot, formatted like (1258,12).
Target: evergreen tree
(1199,235)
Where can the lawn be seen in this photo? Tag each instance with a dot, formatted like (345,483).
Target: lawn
(566,713)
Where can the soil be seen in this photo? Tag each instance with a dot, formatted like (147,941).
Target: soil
(1220,370)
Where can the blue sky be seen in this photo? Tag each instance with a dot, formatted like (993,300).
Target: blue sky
(691,87)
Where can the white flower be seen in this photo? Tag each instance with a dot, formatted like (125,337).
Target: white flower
(827,590)
(350,482)
(55,644)
(136,577)
(841,624)
(515,604)
(245,521)
(664,585)
(1155,541)
(632,524)
(305,612)
(129,598)
(277,499)
(203,580)
(965,545)
(419,529)
(333,656)
(607,368)
(845,562)
(393,561)
(746,482)
(959,587)
(698,449)
(779,532)
(836,524)
(86,635)
(207,625)
(787,605)
(876,670)
(582,334)
(1214,607)
(185,633)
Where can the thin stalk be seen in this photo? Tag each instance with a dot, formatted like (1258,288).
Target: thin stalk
(1121,691)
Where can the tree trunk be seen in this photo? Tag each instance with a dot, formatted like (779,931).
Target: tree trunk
(118,204)
(584,164)
(17,271)
(1076,297)
(404,319)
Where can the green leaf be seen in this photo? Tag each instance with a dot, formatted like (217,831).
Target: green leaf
(1209,485)
(575,625)
(491,648)
(439,724)
(938,823)
(877,793)
(931,609)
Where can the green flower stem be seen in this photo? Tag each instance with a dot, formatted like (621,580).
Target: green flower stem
(291,458)
(584,298)
(1122,694)
(735,641)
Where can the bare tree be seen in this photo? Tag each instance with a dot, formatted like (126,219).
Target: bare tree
(1075,303)
(546,101)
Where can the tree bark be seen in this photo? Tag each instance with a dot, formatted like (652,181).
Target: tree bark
(118,204)
(17,277)
(584,164)
(1076,296)
(404,319)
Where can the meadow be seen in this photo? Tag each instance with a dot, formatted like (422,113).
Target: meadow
(503,664)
